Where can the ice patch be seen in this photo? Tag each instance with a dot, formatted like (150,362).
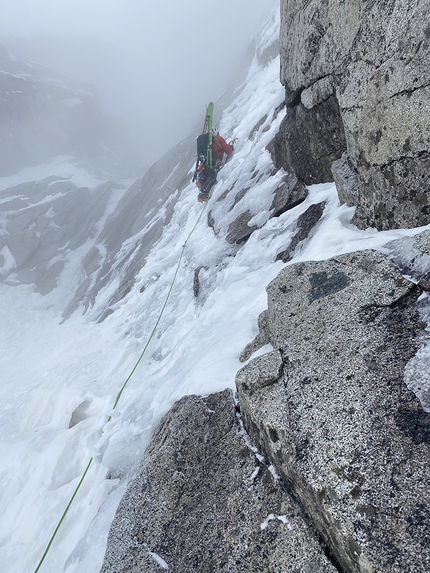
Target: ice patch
(255,473)
(157,559)
(274,473)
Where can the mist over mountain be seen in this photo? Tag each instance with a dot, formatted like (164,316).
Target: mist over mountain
(155,67)
(237,385)
(45,114)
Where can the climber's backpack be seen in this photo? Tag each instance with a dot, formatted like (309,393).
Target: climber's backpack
(202,146)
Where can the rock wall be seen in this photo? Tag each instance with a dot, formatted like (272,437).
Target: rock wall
(357,85)
(330,408)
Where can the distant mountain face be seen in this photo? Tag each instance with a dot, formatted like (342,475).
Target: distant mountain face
(44,222)
(51,223)
(44,114)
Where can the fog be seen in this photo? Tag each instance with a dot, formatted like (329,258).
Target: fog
(154,63)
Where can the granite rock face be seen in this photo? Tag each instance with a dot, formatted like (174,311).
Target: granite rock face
(357,78)
(204,502)
(330,409)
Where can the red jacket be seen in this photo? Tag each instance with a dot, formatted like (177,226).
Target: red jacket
(219,147)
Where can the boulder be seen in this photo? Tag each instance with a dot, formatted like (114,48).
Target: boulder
(290,193)
(330,409)
(204,501)
(239,230)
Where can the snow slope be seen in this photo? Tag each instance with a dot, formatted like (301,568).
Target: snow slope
(59,382)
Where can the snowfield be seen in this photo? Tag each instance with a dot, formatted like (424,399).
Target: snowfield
(62,166)
(59,381)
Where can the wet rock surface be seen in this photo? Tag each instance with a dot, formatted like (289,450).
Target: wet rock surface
(309,140)
(204,502)
(357,81)
(330,408)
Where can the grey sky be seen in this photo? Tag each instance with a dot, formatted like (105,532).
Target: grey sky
(156,63)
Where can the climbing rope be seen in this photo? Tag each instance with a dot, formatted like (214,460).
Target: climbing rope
(65,512)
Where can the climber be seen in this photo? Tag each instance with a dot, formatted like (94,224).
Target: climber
(206,176)
(219,147)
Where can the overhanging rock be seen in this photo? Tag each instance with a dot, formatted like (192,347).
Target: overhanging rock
(357,83)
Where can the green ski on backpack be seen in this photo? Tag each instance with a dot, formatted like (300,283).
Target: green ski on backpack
(204,173)
(210,115)
(204,141)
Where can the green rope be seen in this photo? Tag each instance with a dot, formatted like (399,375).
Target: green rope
(48,547)
(65,512)
(159,316)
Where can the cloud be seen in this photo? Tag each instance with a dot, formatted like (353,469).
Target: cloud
(155,63)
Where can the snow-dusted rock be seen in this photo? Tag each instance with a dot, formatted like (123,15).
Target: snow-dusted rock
(203,501)
(240,230)
(306,226)
(42,222)
(373,57)
(411,254)
(350,441)
(290,193)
